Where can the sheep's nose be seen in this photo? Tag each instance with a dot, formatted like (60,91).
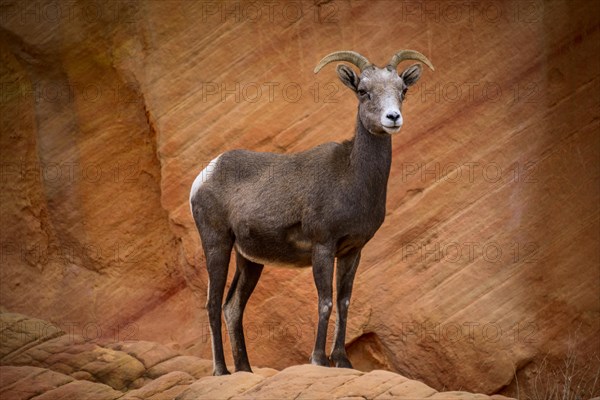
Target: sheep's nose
(393,116)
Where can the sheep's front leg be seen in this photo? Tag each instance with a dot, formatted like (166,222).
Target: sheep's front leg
(346,269)
(322,259)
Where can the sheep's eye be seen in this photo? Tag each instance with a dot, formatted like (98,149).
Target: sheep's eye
(363,93)
(403,94)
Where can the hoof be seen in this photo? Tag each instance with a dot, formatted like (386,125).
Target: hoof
(219,372)
(341,361)
(344,363)
(319,359)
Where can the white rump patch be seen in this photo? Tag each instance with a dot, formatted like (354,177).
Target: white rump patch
(203,177)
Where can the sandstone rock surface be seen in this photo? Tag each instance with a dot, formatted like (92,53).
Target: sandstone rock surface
(486,268)
(29,375)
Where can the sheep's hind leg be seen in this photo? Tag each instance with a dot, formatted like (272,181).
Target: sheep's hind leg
(217,264)
(246,277)
(346,269)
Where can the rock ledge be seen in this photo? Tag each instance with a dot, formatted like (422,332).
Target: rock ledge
(51,364)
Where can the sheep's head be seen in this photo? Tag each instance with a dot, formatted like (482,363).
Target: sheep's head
(380,91)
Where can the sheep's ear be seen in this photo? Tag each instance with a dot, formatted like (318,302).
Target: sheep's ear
(348,77)
(411,75)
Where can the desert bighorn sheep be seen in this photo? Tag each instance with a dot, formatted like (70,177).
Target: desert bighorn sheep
(302,209)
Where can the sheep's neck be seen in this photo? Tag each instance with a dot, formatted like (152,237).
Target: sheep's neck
(371,158)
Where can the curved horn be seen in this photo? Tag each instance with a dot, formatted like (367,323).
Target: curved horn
(351,56)
(409,55)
